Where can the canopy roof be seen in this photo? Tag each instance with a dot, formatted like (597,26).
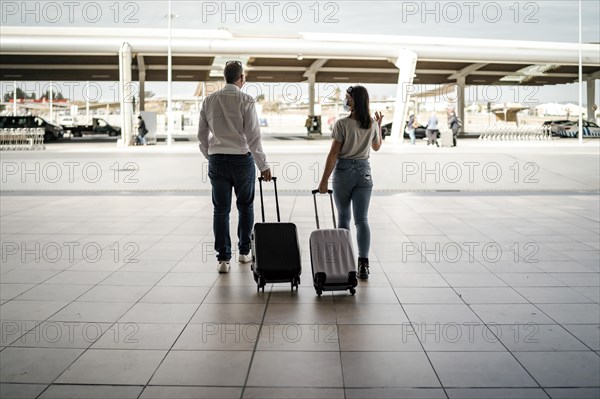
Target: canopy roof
(82,54)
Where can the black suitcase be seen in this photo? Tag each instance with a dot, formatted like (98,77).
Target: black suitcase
(275,249)
(332,256)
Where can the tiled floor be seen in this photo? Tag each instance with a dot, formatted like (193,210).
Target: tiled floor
(471,296)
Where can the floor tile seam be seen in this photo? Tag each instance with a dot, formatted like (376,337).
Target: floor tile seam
(517,160)
(503,344)
(339,349)
(315,350)
(481,320)
(28,209)
(58,384)
(186,324)
(457,387)
(505,282)
(85,350)
(573,287)
(49,316)
(437,376)
(254,349)
(121,236)
(538,225)
(535,305)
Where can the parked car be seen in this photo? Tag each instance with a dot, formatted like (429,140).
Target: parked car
(553,126)
(51,132)
(590,129)
(98,126)
(420,132)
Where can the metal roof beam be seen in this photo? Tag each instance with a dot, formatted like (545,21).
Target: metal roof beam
(466,71)
(315,67)
(504,73)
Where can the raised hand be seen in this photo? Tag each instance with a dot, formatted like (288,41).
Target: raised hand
(378,117)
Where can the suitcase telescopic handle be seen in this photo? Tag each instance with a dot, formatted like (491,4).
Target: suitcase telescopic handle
(262,203)
(330,192)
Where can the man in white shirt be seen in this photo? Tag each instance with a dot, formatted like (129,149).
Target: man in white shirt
(232,150)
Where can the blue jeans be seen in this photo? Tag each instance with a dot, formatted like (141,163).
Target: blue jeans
(352,188)
(411,134)
(227,172)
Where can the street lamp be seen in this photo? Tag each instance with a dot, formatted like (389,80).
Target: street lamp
(15,100)
(51,99)
(580,70)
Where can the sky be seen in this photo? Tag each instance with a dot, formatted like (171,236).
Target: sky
(516,20)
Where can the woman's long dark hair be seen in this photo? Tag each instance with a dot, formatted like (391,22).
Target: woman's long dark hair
(362,112)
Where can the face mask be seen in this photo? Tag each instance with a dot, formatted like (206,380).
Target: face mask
(345,105)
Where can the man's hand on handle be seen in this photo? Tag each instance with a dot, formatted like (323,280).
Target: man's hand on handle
(266,175)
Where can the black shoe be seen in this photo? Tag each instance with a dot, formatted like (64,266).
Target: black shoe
(363,268)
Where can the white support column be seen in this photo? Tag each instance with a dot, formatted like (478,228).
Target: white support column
(591,99)
(126,95)
(460,100)
(407,64)
(311,94)
(311,75)
(142,80)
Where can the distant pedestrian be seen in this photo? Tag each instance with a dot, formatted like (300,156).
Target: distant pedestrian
(454,124)
(411,125)
(142,131)
(432,130)
(308,124)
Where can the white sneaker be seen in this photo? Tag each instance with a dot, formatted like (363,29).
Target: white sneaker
(223,266)
(245,258)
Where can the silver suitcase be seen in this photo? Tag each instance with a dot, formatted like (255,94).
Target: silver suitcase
(332,256)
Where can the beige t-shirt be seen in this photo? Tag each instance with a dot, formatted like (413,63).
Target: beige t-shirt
(356,141)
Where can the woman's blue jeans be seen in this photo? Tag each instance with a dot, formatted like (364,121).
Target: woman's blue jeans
(227,172)
(352,188)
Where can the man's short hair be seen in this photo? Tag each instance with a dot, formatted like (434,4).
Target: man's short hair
(233,71)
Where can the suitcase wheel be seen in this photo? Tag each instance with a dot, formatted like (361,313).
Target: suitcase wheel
(295,283)
(352,291)
(261,284)
(319,291)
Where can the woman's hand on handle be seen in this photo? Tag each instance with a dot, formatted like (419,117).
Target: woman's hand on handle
(323,187)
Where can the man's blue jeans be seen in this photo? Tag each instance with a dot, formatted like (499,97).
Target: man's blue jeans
(352,188)
(227,172)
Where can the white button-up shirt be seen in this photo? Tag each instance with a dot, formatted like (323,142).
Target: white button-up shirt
(230,115)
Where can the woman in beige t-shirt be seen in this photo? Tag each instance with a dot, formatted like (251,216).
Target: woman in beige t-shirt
(348,159)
